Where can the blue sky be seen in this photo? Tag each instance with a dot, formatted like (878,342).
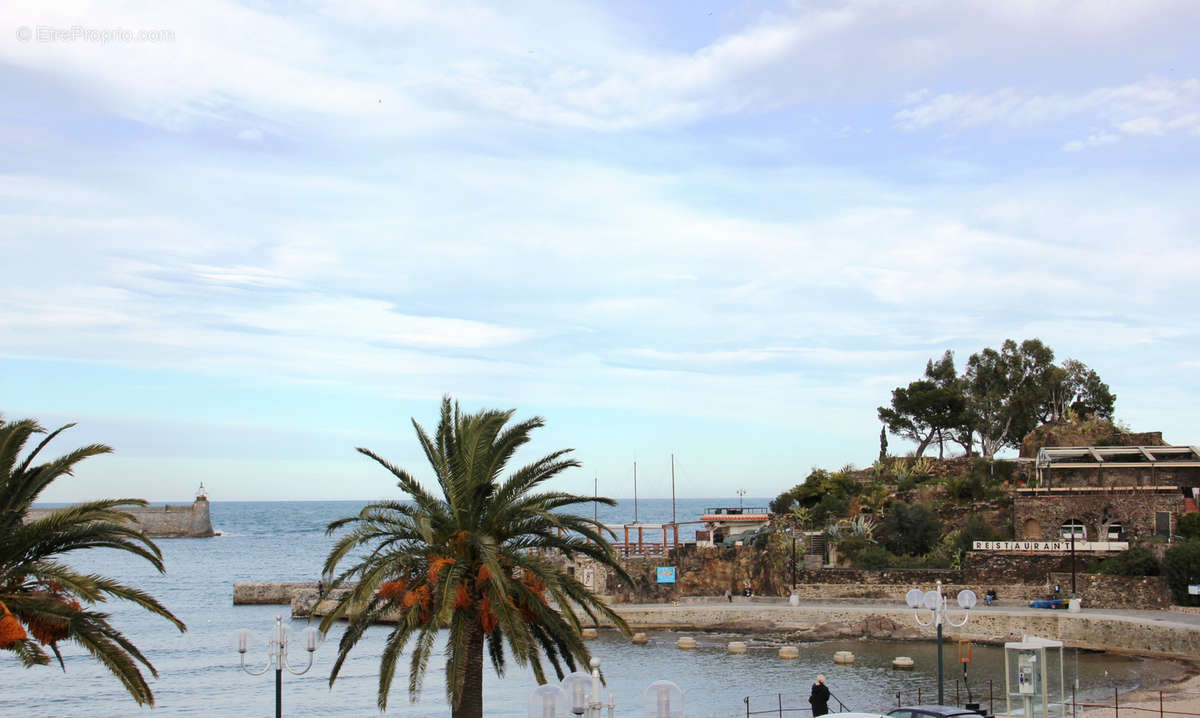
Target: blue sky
(277,231)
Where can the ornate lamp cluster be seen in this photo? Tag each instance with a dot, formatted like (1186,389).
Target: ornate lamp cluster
(662,699)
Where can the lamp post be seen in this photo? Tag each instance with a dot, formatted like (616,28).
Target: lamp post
(935,603)
(277,655)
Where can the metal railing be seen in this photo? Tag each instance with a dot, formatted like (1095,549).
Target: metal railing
(779,709)
(959,688)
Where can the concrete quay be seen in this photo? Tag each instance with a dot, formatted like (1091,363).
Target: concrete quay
(1149,633)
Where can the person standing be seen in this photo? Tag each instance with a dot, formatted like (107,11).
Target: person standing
(819,700)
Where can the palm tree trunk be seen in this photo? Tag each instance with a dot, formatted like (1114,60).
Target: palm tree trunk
(470,704)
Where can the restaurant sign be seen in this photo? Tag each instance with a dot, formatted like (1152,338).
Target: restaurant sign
(1050,546)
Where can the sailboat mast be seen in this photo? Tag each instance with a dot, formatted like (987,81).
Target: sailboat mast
(672,489)
(595,495)
(635,492)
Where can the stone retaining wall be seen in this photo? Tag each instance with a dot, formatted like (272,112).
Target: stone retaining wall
(1141,592)
(1101,632)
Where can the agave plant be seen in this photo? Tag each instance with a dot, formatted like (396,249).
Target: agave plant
(922,468)
(43,600)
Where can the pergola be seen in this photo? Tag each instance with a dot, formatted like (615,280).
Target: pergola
(1116,457)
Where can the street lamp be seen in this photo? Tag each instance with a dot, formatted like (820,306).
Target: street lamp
(935,603)
(277,655)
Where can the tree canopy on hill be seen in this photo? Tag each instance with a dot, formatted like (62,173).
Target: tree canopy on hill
(1000,397)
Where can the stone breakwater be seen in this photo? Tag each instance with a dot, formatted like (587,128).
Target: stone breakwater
(1150,633)
(192,521)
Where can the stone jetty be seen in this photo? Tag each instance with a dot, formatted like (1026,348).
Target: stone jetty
(180,521)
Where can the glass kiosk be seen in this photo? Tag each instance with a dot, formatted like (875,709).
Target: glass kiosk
(1033,678)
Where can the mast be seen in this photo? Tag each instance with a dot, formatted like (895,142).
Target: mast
(635,492)
(595,495)
(672,489)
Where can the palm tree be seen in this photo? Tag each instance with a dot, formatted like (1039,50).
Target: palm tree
(42,599)
(479,560)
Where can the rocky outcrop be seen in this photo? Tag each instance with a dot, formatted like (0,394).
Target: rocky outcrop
(1088,432)
(874,627)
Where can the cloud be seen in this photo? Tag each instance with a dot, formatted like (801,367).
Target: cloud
(1153,106)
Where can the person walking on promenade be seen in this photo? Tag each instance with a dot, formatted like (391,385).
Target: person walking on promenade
(819,698)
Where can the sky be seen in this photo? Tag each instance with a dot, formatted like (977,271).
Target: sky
(241,239)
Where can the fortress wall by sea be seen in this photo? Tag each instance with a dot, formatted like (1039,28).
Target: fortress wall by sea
(188,521)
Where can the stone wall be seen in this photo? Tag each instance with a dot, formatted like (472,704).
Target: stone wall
(1020,577)
(1045,514)
(993,567)
(191,521)
(1100,591)
(269,593)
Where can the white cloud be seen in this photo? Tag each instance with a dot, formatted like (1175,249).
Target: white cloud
(1096,139)
(1150,107)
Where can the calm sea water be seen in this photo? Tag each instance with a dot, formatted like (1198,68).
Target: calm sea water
(199,673)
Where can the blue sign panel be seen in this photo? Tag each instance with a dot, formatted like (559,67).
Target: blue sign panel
(666,574)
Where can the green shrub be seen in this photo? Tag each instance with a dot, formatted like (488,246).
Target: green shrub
(1188,526)
(1181,566)
(852,546)
(874,558)
(830,506)
(909,529)
(965,488)
(1137,561)
(976,529)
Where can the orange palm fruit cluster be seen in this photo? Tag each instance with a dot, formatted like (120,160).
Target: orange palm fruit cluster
(436,564)
(11,629)
(52,629)
(420,595)
(391,590)
(462,597)
(487,619)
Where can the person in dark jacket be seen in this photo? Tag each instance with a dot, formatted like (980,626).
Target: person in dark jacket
(819,698)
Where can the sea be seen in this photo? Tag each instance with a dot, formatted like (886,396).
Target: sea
(200,673)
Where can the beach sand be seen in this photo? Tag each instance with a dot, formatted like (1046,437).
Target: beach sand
(1178,699)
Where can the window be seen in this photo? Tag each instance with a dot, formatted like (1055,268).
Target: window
(1116,531)
(1073,528)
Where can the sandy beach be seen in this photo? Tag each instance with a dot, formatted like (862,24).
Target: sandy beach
(1178,698)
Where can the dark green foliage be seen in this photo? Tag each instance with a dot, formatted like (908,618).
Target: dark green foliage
(1137,561)
(852,546)
(883,443)
(976,529)
(1000,397)
(831,506)
(1181,566)
(1188,526)
(874,558)
(923,410)
(910,529)
(965,488)
(825,493)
